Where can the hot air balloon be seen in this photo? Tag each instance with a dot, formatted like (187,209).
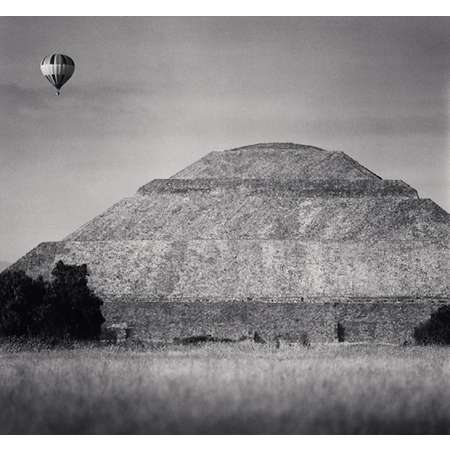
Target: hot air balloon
(58,69)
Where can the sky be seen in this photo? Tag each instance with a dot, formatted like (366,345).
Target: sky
(152,95)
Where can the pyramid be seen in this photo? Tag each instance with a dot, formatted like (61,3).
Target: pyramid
(280,239)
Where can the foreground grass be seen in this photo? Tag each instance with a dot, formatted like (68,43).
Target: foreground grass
(236,388)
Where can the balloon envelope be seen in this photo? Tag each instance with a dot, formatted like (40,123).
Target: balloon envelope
(58,69)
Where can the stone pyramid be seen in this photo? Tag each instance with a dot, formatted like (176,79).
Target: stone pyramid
(260,235)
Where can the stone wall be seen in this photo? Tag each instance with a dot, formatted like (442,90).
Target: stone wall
(383,322)
(361,322)
(166,321)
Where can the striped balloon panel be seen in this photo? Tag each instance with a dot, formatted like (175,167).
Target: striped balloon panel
(57,69)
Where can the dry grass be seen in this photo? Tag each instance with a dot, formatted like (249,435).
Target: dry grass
(221,388)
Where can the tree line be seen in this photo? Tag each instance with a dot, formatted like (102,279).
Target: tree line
(63,307)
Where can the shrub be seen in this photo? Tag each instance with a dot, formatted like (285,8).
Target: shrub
(201,339)
(304,340)
(64,307)
(436,330)
(340,332)
(258,339)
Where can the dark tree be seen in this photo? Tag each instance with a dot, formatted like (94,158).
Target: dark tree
(64,307)
(75,310)
(436,330)
(21,304)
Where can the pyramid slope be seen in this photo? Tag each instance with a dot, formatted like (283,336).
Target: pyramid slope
(225,213)
(260,270)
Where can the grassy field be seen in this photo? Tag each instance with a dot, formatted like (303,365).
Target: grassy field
(220,388)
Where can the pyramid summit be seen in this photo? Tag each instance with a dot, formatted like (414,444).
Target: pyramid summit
(276,160)
(276,238)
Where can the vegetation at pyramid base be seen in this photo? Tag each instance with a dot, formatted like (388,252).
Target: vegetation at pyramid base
(63,308)
(436,330)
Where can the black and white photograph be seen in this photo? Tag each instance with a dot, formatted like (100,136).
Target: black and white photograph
(224,225)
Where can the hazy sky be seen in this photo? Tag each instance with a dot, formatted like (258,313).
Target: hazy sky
(151,95)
